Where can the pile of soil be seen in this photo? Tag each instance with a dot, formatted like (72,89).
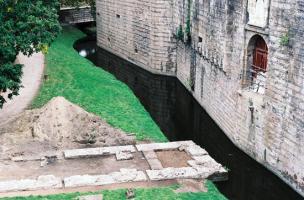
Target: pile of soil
(60,124)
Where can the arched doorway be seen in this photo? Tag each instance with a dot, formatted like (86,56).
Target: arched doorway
(260,56)
(257,61)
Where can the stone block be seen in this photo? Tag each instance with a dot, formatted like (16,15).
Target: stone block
(195,150)
(163,146)
(123,156)
(205,160)
(91,197)
(102,151)
(150,155)
(155,164)
(172,173)
(128,175)
(38,157)
(124,175)
(25,158)
(87,180)
(42,182)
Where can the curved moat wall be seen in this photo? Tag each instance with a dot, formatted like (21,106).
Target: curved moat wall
(181,117)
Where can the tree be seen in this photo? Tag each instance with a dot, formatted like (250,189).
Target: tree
(27,26)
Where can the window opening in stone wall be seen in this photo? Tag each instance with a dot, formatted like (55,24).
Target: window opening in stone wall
(199,45)
(118,16)
(257,61)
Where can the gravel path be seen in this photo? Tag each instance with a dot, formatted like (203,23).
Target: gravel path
(32,74)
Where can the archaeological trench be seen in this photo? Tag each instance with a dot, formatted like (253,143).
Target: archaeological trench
(210,69)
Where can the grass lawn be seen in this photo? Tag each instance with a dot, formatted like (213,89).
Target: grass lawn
(94,89)
(165,193)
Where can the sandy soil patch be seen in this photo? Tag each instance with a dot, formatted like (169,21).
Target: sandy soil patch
(173,158)
(56,126)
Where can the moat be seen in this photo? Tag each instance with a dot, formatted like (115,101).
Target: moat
(180,117)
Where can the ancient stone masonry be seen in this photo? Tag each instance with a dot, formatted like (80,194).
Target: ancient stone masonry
(242,60)
(200,165)
(135,30)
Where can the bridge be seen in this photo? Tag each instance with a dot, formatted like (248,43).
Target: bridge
(72,15)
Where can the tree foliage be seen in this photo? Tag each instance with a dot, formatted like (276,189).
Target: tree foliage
(27,26)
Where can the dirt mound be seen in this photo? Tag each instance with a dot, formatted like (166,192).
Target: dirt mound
(59,125)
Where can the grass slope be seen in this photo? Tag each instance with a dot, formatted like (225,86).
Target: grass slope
(165,193)
(94,89)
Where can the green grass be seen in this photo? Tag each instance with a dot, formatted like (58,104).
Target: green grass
(165,193)
(97,91)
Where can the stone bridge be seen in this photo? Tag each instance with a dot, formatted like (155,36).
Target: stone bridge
(72,15)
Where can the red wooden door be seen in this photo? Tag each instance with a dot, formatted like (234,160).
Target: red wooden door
(260,57)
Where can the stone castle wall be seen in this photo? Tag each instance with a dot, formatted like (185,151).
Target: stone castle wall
(135,30)
(214,62)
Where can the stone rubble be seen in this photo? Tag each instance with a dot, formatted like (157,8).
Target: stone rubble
(130,193)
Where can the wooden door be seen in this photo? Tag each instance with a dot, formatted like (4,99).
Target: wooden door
(260,57)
